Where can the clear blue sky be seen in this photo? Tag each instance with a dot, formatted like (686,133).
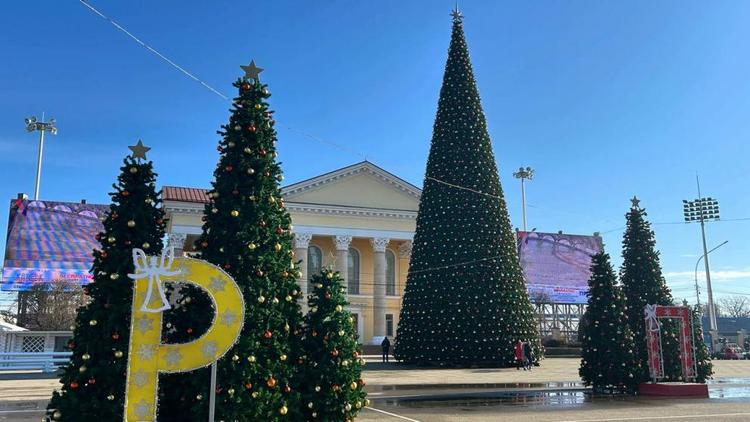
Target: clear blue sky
(604,99)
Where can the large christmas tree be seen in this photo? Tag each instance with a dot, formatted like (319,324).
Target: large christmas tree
(643,284)
(465,300)
(247,232)
(93,383)
(332,387)
(608,360)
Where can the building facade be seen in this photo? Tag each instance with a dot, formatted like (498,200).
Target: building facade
(359,220)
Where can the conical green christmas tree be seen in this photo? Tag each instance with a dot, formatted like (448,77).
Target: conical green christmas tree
(704,367)
(93,383)
(643,284)
(465,300)
(332,387)
(247,232)
(608,360)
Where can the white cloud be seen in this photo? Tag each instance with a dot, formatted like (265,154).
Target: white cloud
(717,275)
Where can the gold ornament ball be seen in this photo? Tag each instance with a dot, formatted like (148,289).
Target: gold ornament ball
(110,397)
(367,402)
(235,213)
(255,394)
(134,170)
(329,275)
(92,322)
(118,354)
(199,397)
(283,410)
(230,144)
(317,388)
(339,308)
(348,407)
(310,405)
(353,385)
(314,414)
(275,301)
(114,276)
(235,358)
(230,391)
(131,223)
(86,356)
(341,333)
(277,247)
(57,415)
(282,358)
(261,299)
(250,171)
(258,106)
(251,359)
(248,150)
(251,246)
(146,245)
(111,239)
(288,298)
(82,369)
(214,210)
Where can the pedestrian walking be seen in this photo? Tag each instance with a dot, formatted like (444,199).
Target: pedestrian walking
(528,355)
(386,345)
(518,349)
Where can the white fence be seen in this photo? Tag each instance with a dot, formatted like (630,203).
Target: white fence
(41,361)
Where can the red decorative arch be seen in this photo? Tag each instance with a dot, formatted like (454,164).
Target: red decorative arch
(653,314)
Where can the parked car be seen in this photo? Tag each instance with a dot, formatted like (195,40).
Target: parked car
(732,351)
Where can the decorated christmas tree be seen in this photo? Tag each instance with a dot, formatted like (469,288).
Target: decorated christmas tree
(704,367)
(643,284)
(333,389)
(608,360)
(465,300)
(247,232)
(93,383)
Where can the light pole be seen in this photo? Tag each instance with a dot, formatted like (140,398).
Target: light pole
(524,174)
(31,125)
(702,210)
(697,291)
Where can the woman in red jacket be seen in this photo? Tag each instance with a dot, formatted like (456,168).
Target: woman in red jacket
(519,355)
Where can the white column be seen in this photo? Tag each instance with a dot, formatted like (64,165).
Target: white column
(301,242)
(342,257)
(404,249)
(177,241)
(378,303)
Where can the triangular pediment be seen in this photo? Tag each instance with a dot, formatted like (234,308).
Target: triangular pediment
(362,185)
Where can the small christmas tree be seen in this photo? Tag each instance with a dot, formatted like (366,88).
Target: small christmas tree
(93,382)
(333,389)
(465,301)
(608,360)
(247,232)
(703,363)
(643,284)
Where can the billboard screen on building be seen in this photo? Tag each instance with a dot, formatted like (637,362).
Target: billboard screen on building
(557,266)
(50,241)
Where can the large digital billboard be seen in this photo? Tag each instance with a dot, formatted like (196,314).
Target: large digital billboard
(50,241)
(557,266)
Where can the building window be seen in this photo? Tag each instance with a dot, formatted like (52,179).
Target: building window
(389,325)
(352,272)
(314,264)
(390,273)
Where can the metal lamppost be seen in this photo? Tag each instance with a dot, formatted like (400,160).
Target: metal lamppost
(702,210)
(697,290)
(33,125)
(524,174)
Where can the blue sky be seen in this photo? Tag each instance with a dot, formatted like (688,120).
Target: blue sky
(604,99)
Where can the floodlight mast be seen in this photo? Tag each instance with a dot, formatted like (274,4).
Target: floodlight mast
(32,124)
(702,210)
(524,174)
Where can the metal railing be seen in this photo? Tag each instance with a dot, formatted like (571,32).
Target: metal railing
(46,362)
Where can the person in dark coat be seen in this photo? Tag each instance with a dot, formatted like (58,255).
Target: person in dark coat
(528,356)
(386,345)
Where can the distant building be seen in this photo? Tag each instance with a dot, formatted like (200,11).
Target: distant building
(359,219)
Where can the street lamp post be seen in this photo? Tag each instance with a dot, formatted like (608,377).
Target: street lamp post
(697,291)
(524,174)
(702,210)
(33,125)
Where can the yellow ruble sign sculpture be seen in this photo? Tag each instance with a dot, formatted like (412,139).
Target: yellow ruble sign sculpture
(147,355)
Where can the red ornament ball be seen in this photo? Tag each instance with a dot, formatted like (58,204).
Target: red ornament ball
(73,385)
(228,168)
(92,381)
(267,334)
(189,331)
(115,336)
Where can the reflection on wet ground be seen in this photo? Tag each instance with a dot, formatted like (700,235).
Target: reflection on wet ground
(565,394)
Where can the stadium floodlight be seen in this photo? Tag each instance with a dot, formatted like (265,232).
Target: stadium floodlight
(524,174)
(702,210)
(32,124)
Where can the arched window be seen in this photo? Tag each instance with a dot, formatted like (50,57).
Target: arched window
(390,273)
(352,272)
(314,264)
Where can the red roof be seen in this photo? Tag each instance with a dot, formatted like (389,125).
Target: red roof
(176,193)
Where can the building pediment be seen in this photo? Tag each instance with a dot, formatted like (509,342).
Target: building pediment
(362,185)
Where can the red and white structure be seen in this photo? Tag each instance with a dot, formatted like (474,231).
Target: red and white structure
(653,314)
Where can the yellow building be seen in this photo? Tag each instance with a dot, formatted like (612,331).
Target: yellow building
(359,219)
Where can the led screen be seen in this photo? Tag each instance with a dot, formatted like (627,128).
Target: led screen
(557,266)
(50,241)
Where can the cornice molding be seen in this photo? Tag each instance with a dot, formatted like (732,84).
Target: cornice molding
(303,208)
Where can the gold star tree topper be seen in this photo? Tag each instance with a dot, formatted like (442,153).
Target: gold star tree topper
(252,71)
(139,150)
(635,202)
